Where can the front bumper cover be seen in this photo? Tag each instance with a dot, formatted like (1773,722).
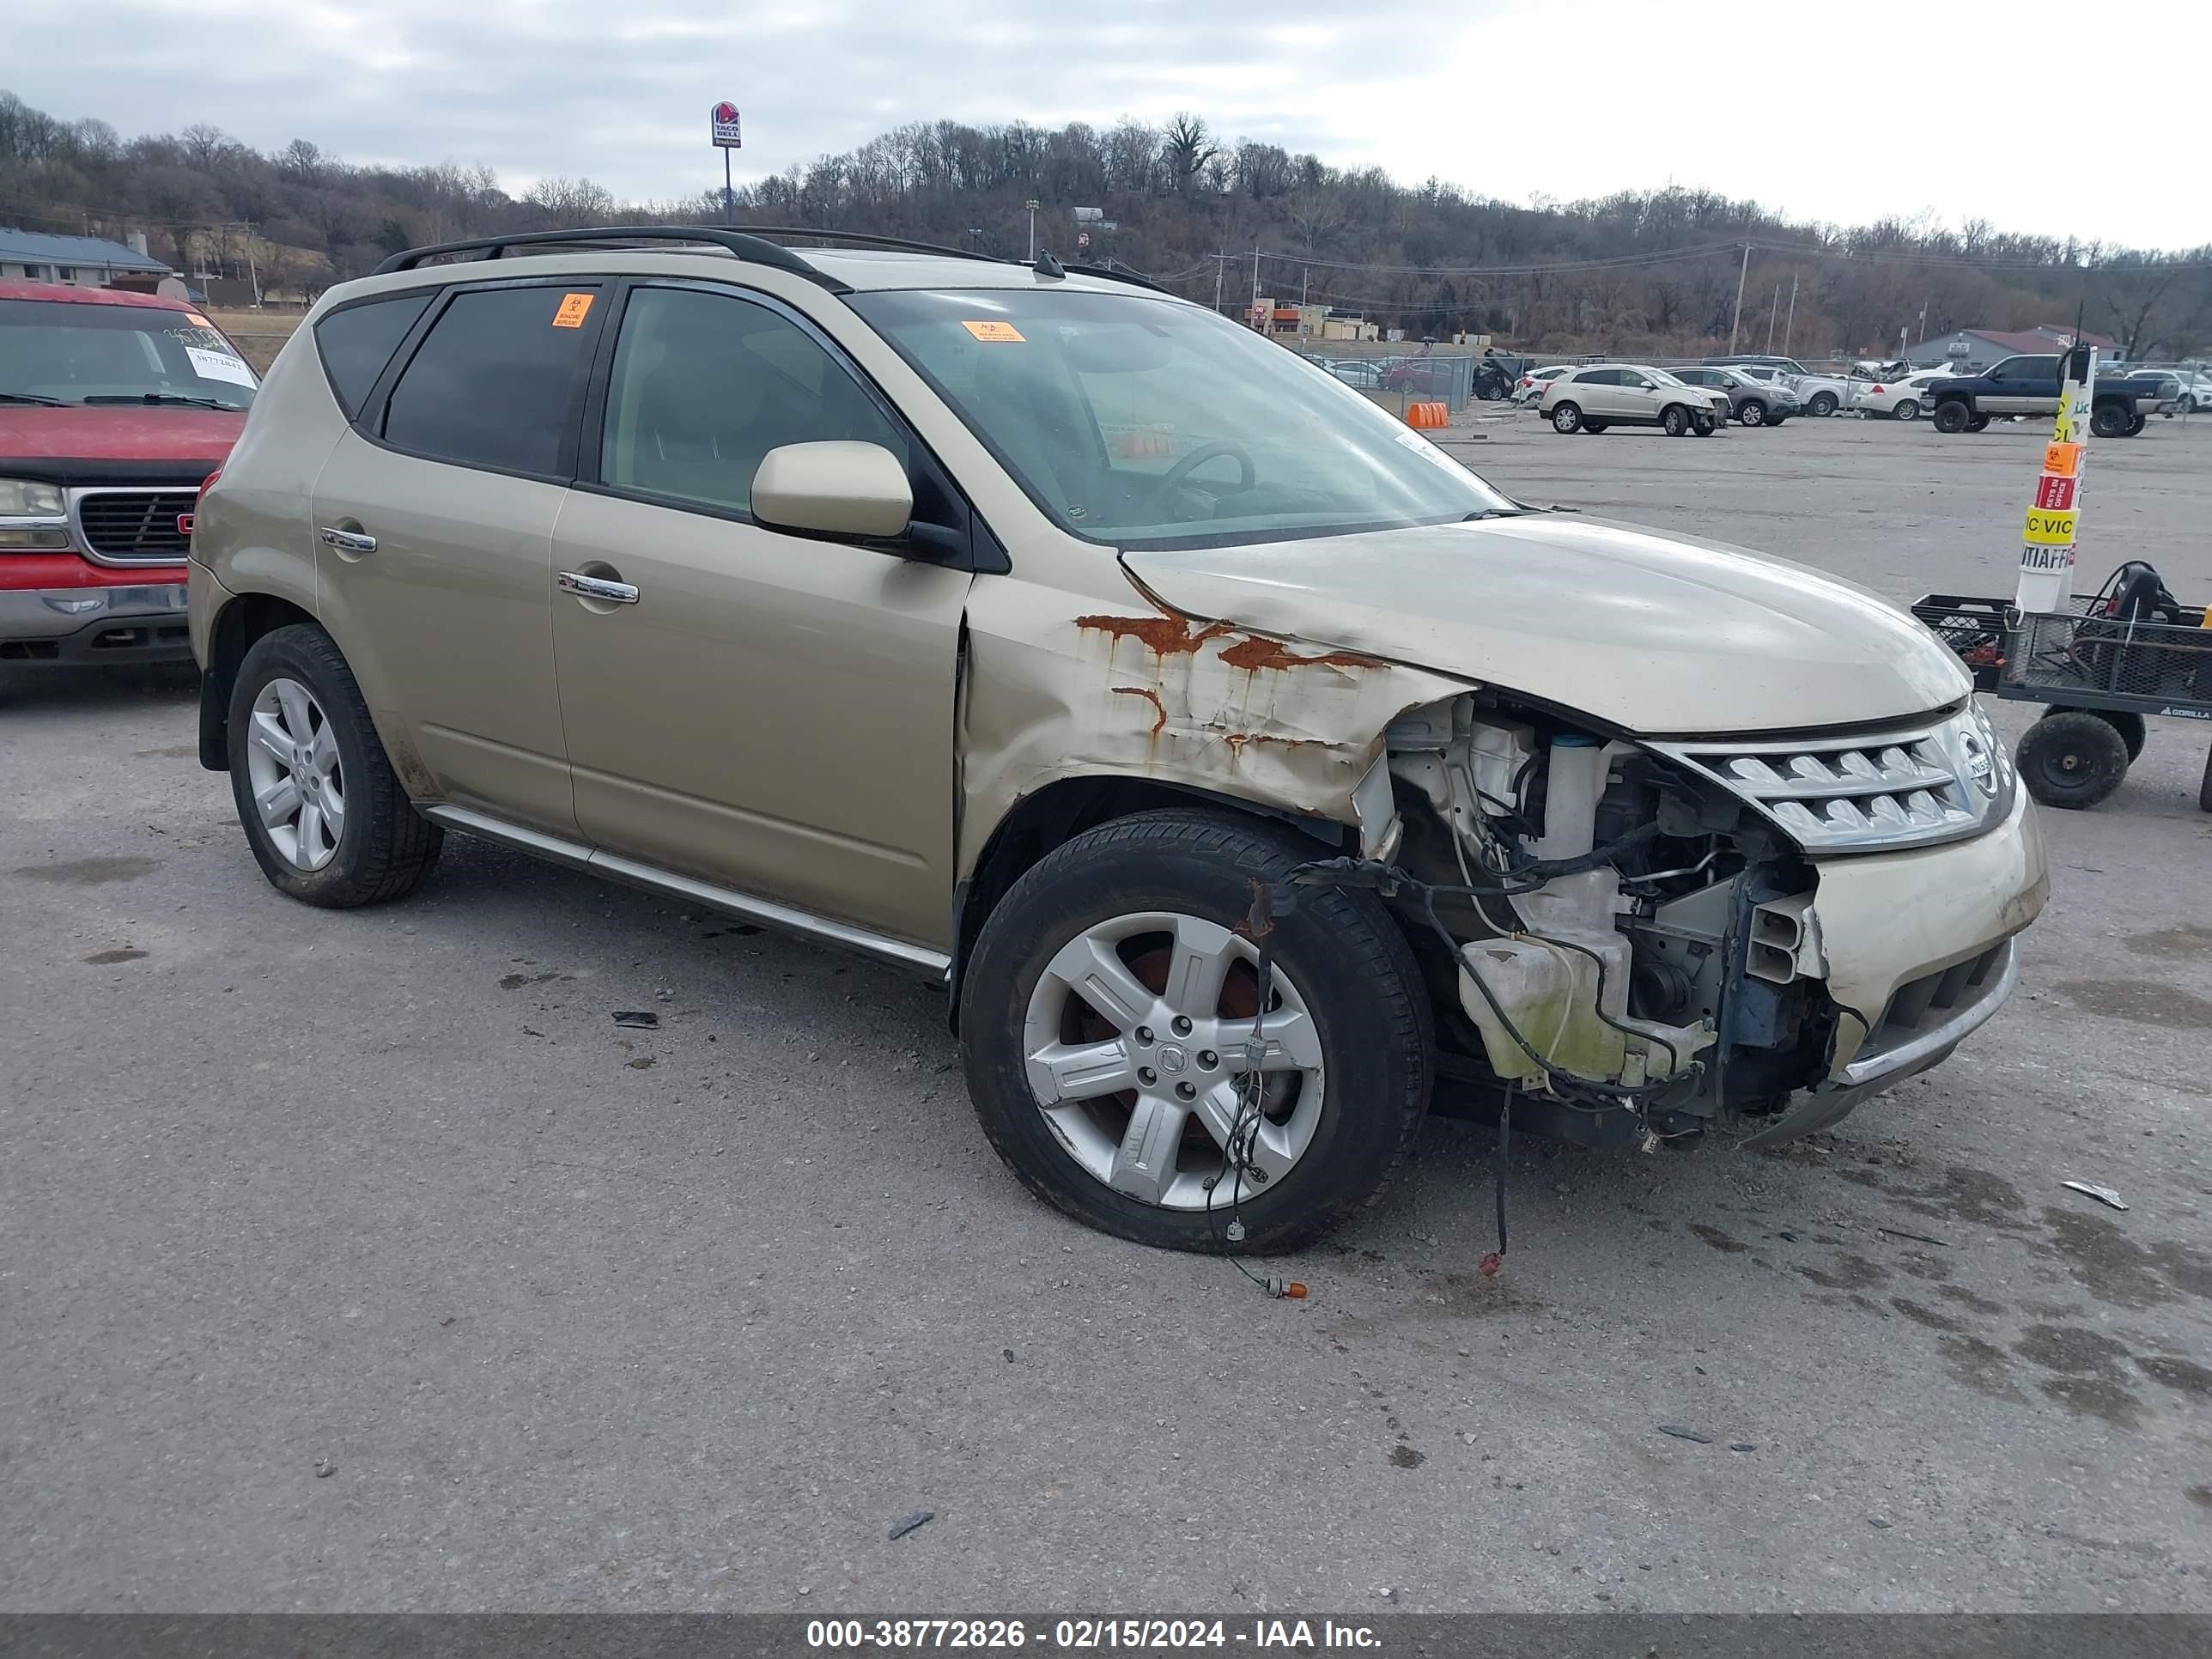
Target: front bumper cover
(112,623)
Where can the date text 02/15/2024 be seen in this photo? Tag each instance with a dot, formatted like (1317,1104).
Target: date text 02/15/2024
(1089,1635)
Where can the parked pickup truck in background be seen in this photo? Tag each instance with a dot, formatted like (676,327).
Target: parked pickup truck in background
(2121,406)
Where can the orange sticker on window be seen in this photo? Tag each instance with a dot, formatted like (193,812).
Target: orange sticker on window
(194,317)
(994,332)
(573,308)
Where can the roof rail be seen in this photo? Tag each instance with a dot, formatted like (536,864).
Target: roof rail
(1114,276)
(750,248)
(862,238)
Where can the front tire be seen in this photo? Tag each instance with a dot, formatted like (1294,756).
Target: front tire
(2134,427)
(1951,416)
(1823,404)
(1752,413)
(1566,419)
(1675,420)
(1117,978)
(325,816)
(2108,420)
(2072,760)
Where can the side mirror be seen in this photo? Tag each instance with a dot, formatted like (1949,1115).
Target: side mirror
(833,489)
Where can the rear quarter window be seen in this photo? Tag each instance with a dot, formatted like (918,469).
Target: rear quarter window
(494,382)
(356,342)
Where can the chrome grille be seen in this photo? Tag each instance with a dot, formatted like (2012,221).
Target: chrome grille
(1898,787)
(137,527)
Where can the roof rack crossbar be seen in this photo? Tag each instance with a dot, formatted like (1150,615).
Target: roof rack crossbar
(753,249)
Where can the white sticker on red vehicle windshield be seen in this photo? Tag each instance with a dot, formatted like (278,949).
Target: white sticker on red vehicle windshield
(218,366)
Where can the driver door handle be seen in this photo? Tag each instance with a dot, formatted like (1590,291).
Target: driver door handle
(347,541)
(596,587)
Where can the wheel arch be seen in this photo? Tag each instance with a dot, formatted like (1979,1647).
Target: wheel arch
(243,620)
(1055,814)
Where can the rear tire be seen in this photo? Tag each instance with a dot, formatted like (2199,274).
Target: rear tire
(2071,760)
(1951,416)
(1907,409)
(1338,948)
(1566,419)
(1593,426)
(382,849)
(1823,404)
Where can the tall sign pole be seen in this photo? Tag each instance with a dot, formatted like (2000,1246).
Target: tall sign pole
(728,134)
(1737,321)
(2046,553)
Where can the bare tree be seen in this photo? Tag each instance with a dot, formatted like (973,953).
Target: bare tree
(571,201)
(205,145)
(1185,149)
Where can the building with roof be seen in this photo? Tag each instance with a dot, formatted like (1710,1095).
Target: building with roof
(78,261)
(1973,349)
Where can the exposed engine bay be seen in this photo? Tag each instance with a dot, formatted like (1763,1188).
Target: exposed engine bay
(1629,941)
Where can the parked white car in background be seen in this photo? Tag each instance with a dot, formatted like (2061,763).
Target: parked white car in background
(1530,386)
(1900,398)
(1599,395)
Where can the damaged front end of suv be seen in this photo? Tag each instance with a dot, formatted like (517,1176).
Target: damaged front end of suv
(1645,935)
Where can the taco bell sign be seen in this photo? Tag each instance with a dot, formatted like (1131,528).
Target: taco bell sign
(723,120)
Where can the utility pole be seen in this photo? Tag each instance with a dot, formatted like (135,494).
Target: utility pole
(1773,315)
(1265,325)
(1789,325)
(1220,269)
(1923,340)
(1736,322)
(1033,206)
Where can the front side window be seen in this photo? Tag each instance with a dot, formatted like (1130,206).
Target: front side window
(492,383)
(1134,421)
(59,351)
(705,385)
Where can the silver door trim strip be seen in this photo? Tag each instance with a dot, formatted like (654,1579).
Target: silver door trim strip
(575,856)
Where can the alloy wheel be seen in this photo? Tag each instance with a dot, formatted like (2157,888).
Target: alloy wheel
(298,780)
(1139,1046)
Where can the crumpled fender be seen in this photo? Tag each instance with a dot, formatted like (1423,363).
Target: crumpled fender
(1140,690)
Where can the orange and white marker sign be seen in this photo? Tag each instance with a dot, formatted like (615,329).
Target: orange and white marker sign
(2047,536)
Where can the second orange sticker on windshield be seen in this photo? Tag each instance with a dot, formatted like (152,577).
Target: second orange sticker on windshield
(572,309)
(1000,332)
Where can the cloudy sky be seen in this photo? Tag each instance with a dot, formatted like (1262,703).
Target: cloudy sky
(1831,109)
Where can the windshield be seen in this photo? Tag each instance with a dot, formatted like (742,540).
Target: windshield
(1131,420)
(78,352)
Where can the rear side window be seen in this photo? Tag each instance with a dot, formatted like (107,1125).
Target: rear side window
(358,342)
(492,384)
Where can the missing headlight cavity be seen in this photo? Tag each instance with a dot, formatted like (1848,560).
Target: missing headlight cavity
(1622,935)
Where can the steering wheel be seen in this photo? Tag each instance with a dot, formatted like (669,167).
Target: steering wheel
(1248,475)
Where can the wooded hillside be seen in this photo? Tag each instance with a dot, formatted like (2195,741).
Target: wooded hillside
(1637,271)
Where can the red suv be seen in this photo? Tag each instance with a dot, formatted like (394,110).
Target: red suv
(114,409)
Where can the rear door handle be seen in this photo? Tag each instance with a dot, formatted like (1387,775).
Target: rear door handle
(596,587)
(347,541)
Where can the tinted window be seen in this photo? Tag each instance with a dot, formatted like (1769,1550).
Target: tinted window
(1598,377)
(491,383)
(705,385)
(357,342)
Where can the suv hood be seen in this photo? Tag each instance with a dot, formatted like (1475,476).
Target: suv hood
(1651,633)
(48,440)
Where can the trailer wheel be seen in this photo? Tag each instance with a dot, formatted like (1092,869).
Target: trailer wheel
(2204,789)
(2072,760)
(2130,727)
